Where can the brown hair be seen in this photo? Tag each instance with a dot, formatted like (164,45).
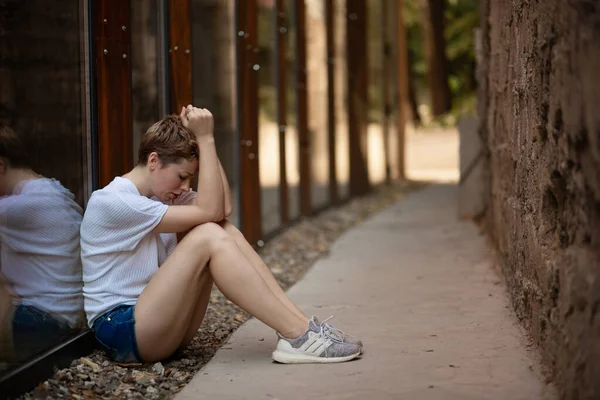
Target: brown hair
(12,148)
(170,139)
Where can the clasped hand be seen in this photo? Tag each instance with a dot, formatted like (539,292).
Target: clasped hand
(199,120)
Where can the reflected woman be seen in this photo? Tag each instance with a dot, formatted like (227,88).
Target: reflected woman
(39,251)
(152,248)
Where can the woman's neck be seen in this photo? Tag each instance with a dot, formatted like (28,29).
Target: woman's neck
(139,177)
(16,176)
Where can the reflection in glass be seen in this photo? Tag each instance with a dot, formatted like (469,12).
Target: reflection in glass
(342,156)
(145,61)
(268,132)
(42,99)
(375,140)
(40,266)
(292,145)
(213,80)
(316,66)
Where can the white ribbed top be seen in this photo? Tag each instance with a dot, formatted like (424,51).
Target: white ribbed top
(39,255)
(119,251)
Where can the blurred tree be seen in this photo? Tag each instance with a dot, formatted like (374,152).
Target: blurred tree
(435,51)
(461,19)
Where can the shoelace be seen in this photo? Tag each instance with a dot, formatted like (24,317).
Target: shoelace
(331,330)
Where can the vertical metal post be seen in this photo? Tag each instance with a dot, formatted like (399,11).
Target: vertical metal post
(112,34)
(331,116)
(247,62)
(303,133)
(358,95)
(281,33)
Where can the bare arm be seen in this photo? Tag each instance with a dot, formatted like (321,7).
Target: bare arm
(227,205)
(210,190)
(210,202)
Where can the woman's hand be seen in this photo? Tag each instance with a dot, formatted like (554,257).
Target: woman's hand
(199,120)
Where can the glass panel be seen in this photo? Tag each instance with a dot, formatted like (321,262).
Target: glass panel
(375,144)
(268,132)
(145,66)
(316,68)
(341,100)
(213,80)
(42,139)
(292,146)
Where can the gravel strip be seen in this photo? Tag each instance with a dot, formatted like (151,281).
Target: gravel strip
(289,255)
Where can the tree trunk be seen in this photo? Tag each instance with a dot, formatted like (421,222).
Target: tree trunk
(435,49)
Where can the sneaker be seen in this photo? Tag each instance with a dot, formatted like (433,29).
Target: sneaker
(317,345)
(338,334)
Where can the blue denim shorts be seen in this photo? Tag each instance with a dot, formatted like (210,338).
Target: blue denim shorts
(36,330)
(115,330)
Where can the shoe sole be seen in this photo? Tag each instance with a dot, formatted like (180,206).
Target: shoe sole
(287,358)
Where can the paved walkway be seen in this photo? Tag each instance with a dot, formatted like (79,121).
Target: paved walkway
(418,287)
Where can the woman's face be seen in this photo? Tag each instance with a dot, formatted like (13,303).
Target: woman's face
(170,181)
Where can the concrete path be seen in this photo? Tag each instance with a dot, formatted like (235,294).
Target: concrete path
(418,287)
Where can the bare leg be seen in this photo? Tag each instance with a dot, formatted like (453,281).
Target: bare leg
(200,310)
(165,309)
(261,267)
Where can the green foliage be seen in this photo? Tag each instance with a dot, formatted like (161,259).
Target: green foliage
(461,18)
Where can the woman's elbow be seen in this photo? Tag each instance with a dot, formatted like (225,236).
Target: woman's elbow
(228,210)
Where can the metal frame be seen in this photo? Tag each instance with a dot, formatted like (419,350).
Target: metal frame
(358,100)
(385,92)
(331,116)
(247,107)
(302,105)
(164,98)
(27,375)
(179,28)
(281,31)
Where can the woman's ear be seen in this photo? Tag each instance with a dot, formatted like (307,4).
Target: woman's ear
(153,161)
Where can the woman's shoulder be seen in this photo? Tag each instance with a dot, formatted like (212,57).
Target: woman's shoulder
(118,188)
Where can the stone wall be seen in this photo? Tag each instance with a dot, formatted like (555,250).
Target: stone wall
(539,108)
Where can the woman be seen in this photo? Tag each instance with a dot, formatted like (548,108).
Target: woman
(146,289)
(40,266)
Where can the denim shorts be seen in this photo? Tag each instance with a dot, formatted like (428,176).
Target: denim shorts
(36,330)
(115,330)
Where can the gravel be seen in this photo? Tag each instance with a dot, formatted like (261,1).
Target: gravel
(289,255)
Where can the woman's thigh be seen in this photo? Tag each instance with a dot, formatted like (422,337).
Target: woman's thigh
(166,307)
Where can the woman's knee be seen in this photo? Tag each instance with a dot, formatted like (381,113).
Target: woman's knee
(232,230)
(209,234)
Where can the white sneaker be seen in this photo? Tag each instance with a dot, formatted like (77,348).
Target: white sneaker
(316,345)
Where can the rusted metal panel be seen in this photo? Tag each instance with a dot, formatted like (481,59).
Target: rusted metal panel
(281,32)
(247,57)
(331,117)
(358,95)
(302,104)
(385,88)
(113,88)
(180,54)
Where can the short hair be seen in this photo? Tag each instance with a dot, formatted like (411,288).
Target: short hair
(170,139)
(12,148)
